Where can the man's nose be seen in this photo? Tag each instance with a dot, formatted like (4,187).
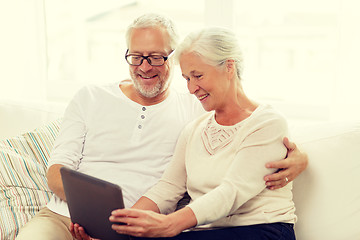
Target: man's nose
(145,66)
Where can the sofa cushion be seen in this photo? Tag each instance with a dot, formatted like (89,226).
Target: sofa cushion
(326,194)
(24,190)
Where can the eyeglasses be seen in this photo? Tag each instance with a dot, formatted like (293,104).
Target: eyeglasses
(153,60)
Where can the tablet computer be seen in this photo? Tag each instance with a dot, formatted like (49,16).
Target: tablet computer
(90,201)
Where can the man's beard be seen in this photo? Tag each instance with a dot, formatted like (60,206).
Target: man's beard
(149,92)
(155,90)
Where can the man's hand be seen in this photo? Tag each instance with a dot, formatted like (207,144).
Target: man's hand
(79,233)
(289,168)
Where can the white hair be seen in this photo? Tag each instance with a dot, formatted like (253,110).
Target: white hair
(152,20)
(215,45)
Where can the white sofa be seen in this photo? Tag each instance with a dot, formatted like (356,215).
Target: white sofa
(327,194)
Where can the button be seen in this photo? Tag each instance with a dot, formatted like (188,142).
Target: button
(142,116)
(140,127)
(143,108)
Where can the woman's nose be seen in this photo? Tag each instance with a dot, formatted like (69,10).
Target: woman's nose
(193,88)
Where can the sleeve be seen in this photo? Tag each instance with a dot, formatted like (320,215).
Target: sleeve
(244,178)
(69,143)
(172,185)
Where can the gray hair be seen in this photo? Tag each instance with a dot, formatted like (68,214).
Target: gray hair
(152,20)
(215,45)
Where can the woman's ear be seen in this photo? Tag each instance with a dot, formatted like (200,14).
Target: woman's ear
(230,67)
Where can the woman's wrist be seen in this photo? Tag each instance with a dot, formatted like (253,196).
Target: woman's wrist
(145,203)
(182,219)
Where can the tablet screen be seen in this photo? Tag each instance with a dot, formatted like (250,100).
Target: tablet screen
(90,201)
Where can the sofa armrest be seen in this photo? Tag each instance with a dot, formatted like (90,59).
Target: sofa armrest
(326,194)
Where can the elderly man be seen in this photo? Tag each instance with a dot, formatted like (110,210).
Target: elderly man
(126,132)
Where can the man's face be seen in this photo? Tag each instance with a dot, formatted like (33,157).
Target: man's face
(149,80)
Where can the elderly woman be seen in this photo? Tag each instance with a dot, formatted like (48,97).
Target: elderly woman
(219,158)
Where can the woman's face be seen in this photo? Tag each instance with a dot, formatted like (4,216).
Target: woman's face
(208,83)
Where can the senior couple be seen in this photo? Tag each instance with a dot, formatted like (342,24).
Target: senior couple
(233,159)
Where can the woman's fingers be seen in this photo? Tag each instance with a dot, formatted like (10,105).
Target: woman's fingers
(137,222)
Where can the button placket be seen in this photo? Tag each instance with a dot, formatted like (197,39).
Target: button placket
(142,116)
(139,124)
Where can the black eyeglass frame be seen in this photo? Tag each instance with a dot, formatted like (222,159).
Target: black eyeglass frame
(146,58)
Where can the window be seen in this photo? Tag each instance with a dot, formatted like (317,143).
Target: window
(300,56)
(290,51)
(86,42)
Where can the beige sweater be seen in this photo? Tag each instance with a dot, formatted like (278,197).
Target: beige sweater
(222,168)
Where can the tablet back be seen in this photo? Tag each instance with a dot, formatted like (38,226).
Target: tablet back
(91,201)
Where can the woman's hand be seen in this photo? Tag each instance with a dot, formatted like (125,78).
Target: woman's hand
(290,167)
(144,223)
(79,233)
(141,223)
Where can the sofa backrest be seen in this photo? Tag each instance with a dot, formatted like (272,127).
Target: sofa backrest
(20,117)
